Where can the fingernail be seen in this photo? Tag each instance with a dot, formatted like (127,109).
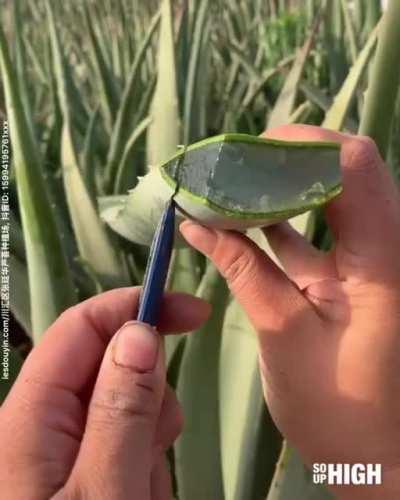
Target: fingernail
(202,238)
(136,347)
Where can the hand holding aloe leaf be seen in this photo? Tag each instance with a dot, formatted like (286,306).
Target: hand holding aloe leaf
(328,324)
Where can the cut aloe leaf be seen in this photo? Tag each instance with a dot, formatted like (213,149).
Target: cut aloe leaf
(232,181)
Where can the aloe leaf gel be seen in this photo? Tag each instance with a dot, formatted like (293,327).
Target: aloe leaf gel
(232,181)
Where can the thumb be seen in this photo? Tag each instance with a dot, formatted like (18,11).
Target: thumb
(265,292)
(122,417)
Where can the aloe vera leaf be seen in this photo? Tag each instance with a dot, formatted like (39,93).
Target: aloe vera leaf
(124,170)
(197,46)
(185,273)
(123,123)
(164,131)
(284,105)
(301,113)
(250,443)
(231,181)
(94,245)
(350,30)
(292,480)
(68,94)
(106,87)
(47,264)
(197,451)
(260,190)
(372,15)
(19,293)
(336,115)
(263,80)
(319,98)
(21,65)
(334,42)
(87,156)
(379,106)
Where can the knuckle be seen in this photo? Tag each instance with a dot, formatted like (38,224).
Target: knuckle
(363,154)
(118,406)
(240,269)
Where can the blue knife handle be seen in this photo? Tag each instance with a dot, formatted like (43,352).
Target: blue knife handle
(157,267)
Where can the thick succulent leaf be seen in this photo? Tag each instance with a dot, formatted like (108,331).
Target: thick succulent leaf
(292,480)
(285,103)
(164,131)
(126,116)
(47,264)
(336,115)
(94,245)
(197,452)
(135,216)
(250,443)
(196,63)
(232,181)
(106,85)
(376,121)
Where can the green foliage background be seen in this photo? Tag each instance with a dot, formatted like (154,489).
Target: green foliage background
(98,91)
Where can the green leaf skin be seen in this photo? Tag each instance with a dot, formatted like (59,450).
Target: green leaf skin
(377,117)
(336,115)
(164,131)
(232,181)
(198,459)
(293,481)
(51,285)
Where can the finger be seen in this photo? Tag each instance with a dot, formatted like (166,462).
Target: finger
(263,289)
(161,488)
(79,338)
(369,196)
(123,414)
(303,263)
(170,422)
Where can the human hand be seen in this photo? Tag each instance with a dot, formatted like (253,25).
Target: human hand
(329,326)
(90,415)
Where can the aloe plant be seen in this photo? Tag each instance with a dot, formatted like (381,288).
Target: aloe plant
(100,95)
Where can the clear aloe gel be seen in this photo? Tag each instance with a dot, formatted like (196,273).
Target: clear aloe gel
(247,176)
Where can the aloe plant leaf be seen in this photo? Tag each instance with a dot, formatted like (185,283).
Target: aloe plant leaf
(381,95)
(106,85)
(197,451)
(350,30)
(292,480)
(47,264)
(195,64)
(94,245)
(250,443)
(124,171)
(284,105)
(232,181)
(164,131)
(185,274)
(336,115)
(124,119)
